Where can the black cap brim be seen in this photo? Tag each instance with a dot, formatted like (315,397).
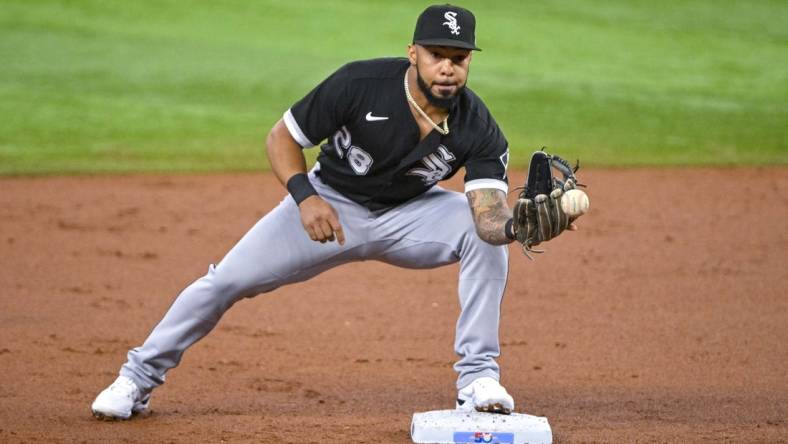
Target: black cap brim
(447,42)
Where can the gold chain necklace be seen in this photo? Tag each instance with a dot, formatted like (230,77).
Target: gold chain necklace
(444,130)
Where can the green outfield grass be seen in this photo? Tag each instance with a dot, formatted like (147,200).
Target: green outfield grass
(154,85)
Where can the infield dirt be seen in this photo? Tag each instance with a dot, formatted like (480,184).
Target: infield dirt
(664,319)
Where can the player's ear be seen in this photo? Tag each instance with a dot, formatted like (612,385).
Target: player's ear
(412,54)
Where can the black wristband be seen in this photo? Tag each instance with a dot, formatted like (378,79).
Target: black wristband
(508,229)
(300,187)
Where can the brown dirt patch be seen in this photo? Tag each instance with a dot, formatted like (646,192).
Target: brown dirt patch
(671,327)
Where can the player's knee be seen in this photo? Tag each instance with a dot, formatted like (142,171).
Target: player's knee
(475,249)
(225,287)
(230,288)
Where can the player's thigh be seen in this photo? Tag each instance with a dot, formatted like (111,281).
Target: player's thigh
(437,216)
(276,251)
(430,231)
(417,254)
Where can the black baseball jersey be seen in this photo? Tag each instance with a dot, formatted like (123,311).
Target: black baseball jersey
(373,154)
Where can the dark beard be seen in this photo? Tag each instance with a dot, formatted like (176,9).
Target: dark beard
(441,102)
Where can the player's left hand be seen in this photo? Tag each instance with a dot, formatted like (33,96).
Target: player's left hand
(320,220)
(547,206)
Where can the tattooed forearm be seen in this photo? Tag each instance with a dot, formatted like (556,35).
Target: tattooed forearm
(490,213)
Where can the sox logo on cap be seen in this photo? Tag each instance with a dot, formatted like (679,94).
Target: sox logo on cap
(451,16)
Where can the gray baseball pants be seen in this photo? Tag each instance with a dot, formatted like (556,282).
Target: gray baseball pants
(431,230)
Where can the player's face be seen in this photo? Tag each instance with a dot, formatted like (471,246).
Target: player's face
(443,69)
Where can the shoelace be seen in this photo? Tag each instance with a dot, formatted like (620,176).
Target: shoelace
(125,387)
(487,385)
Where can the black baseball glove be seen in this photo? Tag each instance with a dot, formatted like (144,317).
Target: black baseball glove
(538,216)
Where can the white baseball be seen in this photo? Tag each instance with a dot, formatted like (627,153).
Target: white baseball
(574,203)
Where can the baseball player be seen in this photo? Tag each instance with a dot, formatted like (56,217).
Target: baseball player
(394,128)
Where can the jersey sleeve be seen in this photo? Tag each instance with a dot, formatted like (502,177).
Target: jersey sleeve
(486,167)
(321,112)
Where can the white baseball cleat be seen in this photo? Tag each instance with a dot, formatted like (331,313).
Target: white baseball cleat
(120,400)
(485,395)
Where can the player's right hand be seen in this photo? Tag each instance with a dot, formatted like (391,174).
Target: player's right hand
(320,220)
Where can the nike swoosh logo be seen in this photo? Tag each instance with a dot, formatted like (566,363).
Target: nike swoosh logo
(371,118)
